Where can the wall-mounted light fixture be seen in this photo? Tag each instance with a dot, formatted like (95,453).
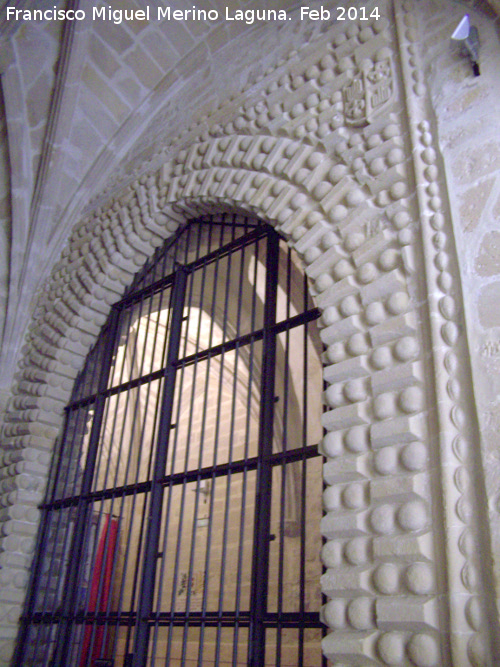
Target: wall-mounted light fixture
(468,37)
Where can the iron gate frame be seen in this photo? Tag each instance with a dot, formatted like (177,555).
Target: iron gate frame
(258,619)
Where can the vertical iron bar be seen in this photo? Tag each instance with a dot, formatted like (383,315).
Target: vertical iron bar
(241,545)
(188,434)
(63,639)
(36,568)
(303,483)
(187,453)
(260,569)
(230,451)
(215,452)
(107,412)
(90,510)
(230,460)
(284,468)
(148,475)
(153,432)
(69,453)
(155,506)
(201,450)
(136,413)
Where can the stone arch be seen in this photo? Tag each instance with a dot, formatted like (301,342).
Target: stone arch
(365,211)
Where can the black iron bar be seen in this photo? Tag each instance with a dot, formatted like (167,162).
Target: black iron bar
(282,516)
(139,451)
(70,455)
(155,505)
(104,517)
(303,489)
(125,324)
(227,619)
(168,510)
(188,443)
(180,528)
(137,486)
(260,567)
(107,471)
(221,470)
(78,542)
(175,306)
(215,453)
(227,346)
(248,421)
(202,445)
(91,514)
(230,459)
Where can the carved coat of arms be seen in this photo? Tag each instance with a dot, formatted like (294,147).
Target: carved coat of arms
(368,92)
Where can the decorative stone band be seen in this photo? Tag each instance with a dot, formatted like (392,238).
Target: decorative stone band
(343,194)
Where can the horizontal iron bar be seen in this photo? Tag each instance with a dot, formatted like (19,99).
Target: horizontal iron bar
(221,470)
(150,290)
(103,494)
(224,469)
(145,292)
(208,618)
(228,346)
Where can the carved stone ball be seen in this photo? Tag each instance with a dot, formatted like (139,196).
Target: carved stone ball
(419,578)
(334,614)
(349,306)
(382,519)
(391,648)
(414,456)
(406,348)
(332,444)
(384,406)
(381,357)
(412,515)
(356,439)
(386,461)
(331,554)
(335,352)
(353,496)
(330,315)
(357,345)
(354,391)
(423,651)
(334,396)
(356,551)
(375,313)
(360,613)
(386,579)
(411,400)
(397,303)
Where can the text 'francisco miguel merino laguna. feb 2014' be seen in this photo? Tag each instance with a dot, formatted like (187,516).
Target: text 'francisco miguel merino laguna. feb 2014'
(248,16)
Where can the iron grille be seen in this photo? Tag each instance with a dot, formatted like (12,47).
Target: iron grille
(181,522)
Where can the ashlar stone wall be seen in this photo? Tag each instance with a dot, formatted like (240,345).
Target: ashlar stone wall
(334,146)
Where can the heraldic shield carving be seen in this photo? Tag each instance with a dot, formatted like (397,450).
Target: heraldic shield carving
(368,92)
